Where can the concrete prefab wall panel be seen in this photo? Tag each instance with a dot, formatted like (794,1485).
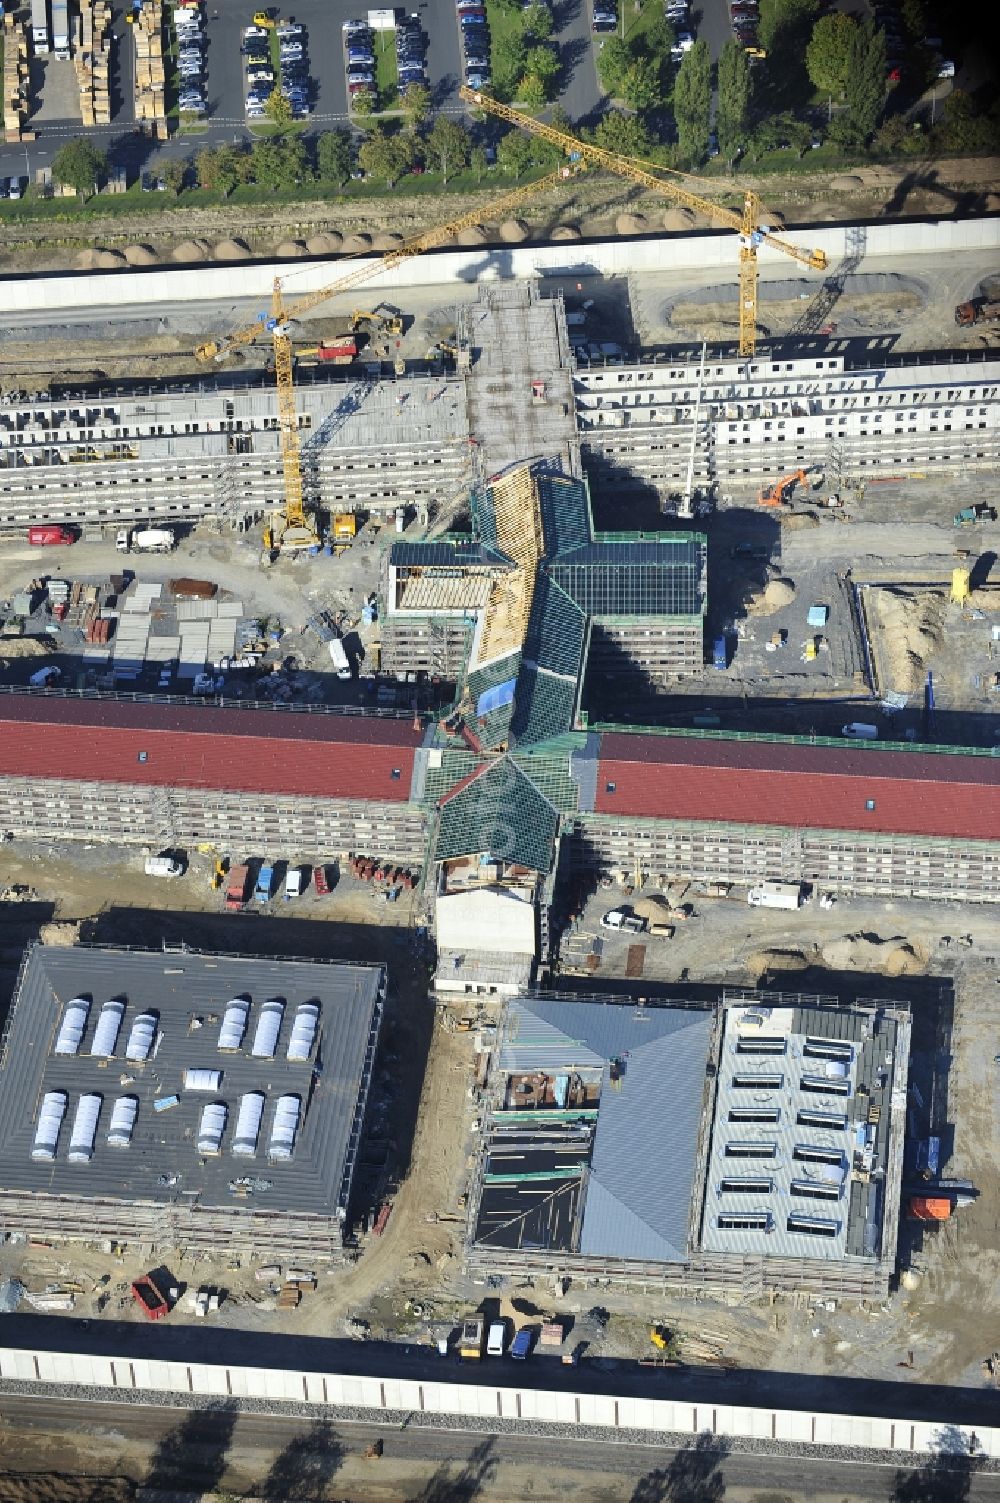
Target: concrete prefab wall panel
(610,257)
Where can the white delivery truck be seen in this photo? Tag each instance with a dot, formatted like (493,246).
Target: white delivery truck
(163,866)
(776,895)
(340,659)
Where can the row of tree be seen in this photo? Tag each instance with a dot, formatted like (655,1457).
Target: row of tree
(525,61)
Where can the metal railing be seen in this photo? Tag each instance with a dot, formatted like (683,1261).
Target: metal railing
(217,701)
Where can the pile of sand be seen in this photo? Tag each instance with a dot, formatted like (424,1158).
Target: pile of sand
(565,232)
(798,521)
(513,230)
(474,235)
(771,218)
(190,250)
(655,910)
(290,248)
(759,962)
(24,647)
(141,255)
(681,218)
(631,224)
(357,243)
(911,623)
(846,181)
(326,243)
(776,594)
(96,259)
(387,240)
(231,250)
(897,956)
(987,599)
(64,934)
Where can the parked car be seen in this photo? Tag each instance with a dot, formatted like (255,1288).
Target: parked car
(14,188)
(605,20)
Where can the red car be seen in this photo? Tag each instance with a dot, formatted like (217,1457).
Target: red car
(320,884)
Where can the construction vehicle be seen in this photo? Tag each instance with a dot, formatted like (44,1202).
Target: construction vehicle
(383,319)
(291,528)
(470,1345)
(374,1451)
(237,888)
(774,495)
(660,1337)
(977,311)
(345,530)
(219,871)
(747,225)
(970,514)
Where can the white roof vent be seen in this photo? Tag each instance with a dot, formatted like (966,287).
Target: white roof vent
(248,1124)
(73,1024)
(53,1110)
(108,1027)
(202,1080)
(265,1040)
(234,1024)
(81,1144)
(141,1036)
(303,1032)
(123,1115)
(211,1128)
(285,1127)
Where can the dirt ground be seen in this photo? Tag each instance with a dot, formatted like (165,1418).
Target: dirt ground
(591,205)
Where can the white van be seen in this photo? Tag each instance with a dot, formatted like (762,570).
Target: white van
(496,1339)
(163,866)
(860,730)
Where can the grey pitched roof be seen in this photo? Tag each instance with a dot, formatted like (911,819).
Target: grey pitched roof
(446,553)
(501,812)
(565,510)
(544,706)
(635,578)
(557,629)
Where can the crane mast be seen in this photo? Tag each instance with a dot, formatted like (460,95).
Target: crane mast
(747,225)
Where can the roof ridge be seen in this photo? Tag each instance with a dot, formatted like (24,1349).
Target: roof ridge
(624,1205)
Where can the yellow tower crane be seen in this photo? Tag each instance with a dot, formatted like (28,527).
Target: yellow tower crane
(292,529)
(747,225)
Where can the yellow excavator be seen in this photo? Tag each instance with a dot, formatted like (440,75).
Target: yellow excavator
(747,225)
(291,528)
(383,319)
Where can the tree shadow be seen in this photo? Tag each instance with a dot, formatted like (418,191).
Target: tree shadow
(945,1477)
(693,1476)
(194,1453)
(301,1471)
(464,1485)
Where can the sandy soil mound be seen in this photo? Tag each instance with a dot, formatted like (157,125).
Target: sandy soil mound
(912,622)
(289,248)
(387,240)
(680,218)
(761,961)
(513,230)
(776,594)
(326,243)
(565,232)
(654,910)
(86,259)
(897,956)
(190,250)
(631,224)
(61,1487)
(107,260)
(231,250)
(141,255)
(24,647)
(474,235)
(771,218)
(65,934)
(355,243)
(846,181)
(799,521)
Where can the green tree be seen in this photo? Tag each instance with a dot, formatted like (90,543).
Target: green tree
(732,116)
(613,62)
(278,108)
(624,134)
(514,153)
(448,145)
(865,88)
(829,54)
(173,172)
(538,23)
(206,169)
(279,162)
(363,104)
(660,38)
(693,102)
(334,156)
(641,86)
(416,103)
(914,18)
(384,156)
(785,29)
(543,62)
(963,126)
(531,93)
(508,65)
(79,165)
(478,162)
(232,167)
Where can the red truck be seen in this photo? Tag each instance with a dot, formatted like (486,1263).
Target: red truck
(150,1298)
(49,534)
(237,888)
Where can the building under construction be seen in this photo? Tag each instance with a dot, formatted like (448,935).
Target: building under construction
(186,1100)
(751,1148)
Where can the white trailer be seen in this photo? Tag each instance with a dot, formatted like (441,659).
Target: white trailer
(40,27)
(776,895)
(60,29)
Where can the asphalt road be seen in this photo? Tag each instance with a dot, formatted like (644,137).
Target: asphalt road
(205,1449)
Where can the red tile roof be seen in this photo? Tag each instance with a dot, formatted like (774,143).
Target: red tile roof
(186,746)
(809,787)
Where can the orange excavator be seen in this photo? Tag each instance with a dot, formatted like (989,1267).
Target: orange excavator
(774,495)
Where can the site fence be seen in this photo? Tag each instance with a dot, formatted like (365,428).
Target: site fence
(488,1403)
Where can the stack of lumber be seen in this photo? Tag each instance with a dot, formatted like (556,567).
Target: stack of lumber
(150,102)
(92,60)
(15,77)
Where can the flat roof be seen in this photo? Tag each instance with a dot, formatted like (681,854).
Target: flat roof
(188,993)
(800,1150)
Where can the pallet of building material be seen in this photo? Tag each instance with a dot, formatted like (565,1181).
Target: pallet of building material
(289,1297)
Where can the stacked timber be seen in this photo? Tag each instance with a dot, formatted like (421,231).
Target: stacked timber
(92,60)
(150,99)
(15,77)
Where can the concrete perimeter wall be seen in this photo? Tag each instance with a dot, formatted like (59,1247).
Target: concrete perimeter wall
(486,1402)
(667,253)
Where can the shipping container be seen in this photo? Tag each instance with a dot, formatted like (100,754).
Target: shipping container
(236,887)
(776,895)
